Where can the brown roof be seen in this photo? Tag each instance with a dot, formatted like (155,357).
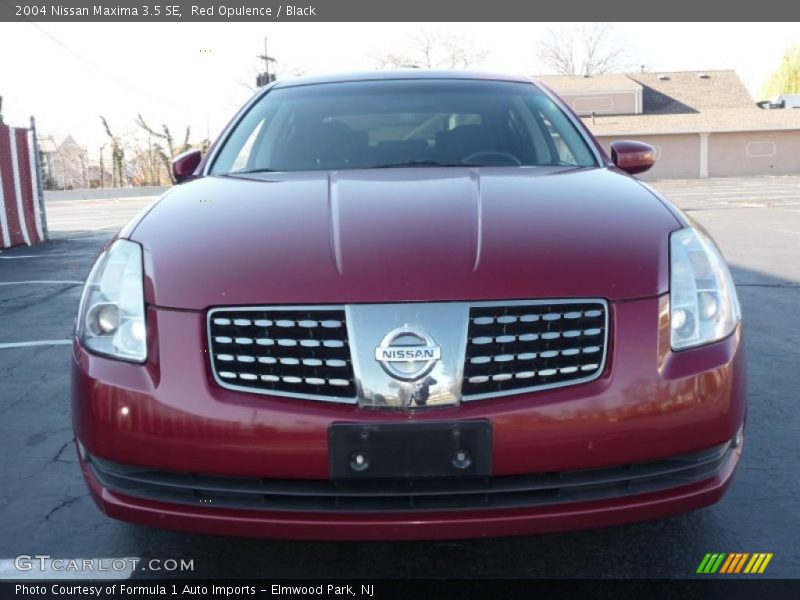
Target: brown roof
(717,120)
(692,91)
(666,92)
(564,84)
(678,102)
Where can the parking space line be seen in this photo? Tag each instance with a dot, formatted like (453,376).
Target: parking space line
(37,343)
(43,281)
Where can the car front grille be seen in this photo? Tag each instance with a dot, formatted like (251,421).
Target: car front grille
(511,347)
(303,352)
(517,346)
(408,495)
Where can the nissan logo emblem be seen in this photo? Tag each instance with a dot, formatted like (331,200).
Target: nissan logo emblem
(408,353)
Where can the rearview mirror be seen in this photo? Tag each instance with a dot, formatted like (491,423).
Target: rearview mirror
(184,165)
(633,157)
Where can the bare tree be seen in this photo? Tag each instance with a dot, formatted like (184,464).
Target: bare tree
(432,50)
(119,175)
(147,166)
(583,50)
(102,167)
(166,149)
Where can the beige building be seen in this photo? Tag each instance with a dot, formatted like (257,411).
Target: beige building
(612,94)
(702,124)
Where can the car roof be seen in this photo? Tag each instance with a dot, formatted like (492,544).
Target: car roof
(396,74)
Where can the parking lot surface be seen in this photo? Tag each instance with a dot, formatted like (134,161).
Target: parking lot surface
(45,507)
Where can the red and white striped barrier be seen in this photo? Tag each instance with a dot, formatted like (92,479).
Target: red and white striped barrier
(20,213)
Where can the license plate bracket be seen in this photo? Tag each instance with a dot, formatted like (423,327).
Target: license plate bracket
(410,450)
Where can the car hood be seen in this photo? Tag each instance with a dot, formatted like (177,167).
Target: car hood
(394,235)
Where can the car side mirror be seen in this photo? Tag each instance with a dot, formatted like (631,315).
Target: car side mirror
(633,157)
(184,165)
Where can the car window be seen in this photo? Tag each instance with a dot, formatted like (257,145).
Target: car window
(397,123)
(403,126)
(242,160)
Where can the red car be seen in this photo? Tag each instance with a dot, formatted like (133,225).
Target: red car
(408,305)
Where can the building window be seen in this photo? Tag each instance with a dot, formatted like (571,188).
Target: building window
(760,149)
(596,104)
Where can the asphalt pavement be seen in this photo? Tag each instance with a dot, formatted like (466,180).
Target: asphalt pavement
(45,507)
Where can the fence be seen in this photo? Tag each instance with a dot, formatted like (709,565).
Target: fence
(22,219)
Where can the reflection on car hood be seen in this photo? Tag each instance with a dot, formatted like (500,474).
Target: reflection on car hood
(390,235)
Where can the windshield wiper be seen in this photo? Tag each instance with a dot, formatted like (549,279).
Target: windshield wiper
(424,163)
(251,171)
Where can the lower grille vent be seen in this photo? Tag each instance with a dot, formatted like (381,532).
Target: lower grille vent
(411,494)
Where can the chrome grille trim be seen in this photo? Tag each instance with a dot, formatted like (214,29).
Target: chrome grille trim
(562,330)
(282,351)
(305,352)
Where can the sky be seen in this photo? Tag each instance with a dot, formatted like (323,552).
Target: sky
(199,74)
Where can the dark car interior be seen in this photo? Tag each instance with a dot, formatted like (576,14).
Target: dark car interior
(388,124)
(332,144)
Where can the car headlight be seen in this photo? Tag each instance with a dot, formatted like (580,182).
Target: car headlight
(111,314)
(704,307)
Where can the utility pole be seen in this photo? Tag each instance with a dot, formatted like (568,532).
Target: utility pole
(266,77)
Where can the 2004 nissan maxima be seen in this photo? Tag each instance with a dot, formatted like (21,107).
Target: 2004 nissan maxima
(408,305)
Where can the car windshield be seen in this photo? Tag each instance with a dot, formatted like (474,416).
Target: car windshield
(402,123)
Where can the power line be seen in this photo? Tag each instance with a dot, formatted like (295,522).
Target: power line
(103,71)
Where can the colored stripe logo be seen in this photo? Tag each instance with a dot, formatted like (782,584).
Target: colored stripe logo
(736,562)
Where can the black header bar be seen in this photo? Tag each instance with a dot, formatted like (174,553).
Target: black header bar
(707,588)
(398,10)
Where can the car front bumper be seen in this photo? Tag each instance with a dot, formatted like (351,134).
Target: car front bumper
(651,406)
